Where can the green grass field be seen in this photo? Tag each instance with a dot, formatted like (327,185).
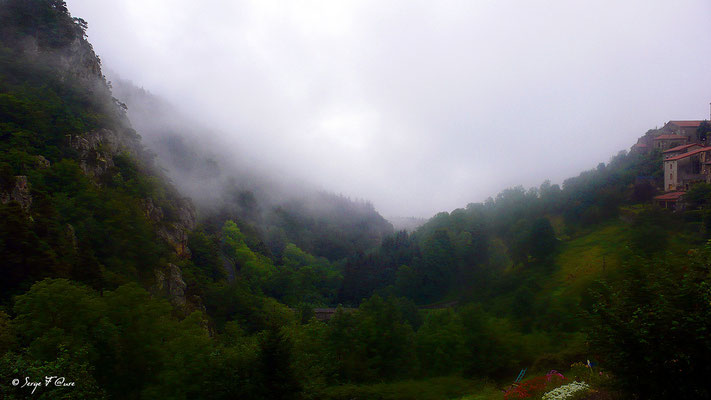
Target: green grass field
(586,258)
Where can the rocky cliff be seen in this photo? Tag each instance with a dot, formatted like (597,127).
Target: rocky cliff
(49,48)
(18,191)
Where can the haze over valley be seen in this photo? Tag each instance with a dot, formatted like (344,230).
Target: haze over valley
(419,108)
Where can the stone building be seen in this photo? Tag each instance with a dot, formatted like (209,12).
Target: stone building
(672,134)
(687,159)
(678,150)
(682,128)
(687,168)
(666,142)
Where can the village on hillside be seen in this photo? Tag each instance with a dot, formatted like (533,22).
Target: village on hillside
(685,154)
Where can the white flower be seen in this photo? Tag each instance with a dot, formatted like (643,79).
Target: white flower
(565,391)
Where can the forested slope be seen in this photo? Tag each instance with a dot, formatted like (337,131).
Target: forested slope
(115,281)
(233,184)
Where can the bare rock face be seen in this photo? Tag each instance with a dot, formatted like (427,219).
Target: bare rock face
(96,150)
(42,163)
(153,212)
(176,237)
(169,283)
(186,213)
(76,61)
(80,61)
(20,193)
(175,230)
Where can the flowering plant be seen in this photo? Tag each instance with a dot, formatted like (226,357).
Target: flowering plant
(565,391)
(535,386)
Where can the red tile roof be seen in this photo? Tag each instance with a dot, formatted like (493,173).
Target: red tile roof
(691,153)
(690,124)
(682,147)
(669,196)
(670,137)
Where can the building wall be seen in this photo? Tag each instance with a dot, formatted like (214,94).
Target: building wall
(668,144)
(688,131)
(670,175)
(688,171)
(706,169)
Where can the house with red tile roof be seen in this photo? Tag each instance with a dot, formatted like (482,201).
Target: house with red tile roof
(671,200)
(682,128)
(685,169)
(675,151)
(673,134)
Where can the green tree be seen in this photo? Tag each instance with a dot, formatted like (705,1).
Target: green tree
(438,266)
(407,282)
(275,364)
(8,339)
(542,239)
(58,313)
(255,267)
(231,372)
(373,343)
(699,196)
(651,327)
(136,354)
(205,255)
(440,343)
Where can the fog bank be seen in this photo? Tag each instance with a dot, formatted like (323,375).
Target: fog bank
(417,106)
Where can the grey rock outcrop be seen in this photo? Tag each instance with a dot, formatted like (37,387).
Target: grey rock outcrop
(169,283)
(173,230)
(20,192)
(153,212)
(79,61)
(42,163)
(97,150)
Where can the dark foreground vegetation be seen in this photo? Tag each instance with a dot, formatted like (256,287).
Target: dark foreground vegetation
(113,281)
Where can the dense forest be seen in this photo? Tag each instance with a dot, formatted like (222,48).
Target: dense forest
(116,282)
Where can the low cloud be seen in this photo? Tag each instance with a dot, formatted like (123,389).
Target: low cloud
(417,106)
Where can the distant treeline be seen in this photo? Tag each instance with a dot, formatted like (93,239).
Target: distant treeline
(465,250)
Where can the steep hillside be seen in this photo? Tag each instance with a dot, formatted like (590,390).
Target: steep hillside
(236,185)
(81,197)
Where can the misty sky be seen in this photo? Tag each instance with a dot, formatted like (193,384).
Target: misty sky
(417,106)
